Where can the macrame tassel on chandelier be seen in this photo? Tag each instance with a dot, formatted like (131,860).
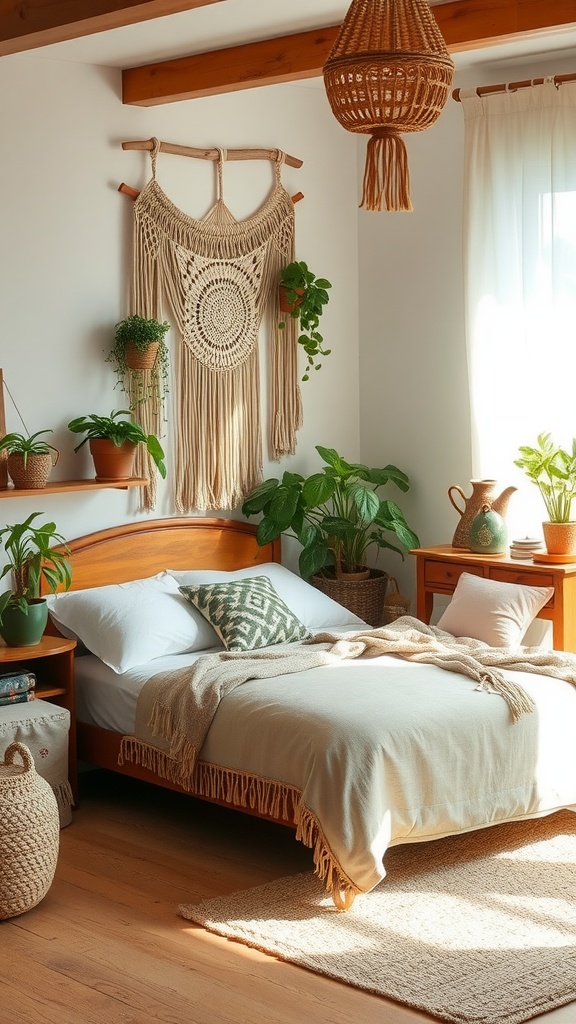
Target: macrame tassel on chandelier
(388,72)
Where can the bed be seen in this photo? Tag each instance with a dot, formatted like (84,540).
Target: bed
(356,749)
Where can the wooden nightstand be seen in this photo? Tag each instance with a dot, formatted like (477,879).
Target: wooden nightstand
(52,660)
(438,570)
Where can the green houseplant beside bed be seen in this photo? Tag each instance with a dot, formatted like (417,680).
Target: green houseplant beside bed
(336,515)
(31,557)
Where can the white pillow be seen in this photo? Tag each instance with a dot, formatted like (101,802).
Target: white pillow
(495,612)
(130,624)
(314,609)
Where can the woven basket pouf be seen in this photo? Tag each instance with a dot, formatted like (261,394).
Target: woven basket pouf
(29,833)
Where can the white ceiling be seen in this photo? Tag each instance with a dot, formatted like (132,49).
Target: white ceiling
(240,21)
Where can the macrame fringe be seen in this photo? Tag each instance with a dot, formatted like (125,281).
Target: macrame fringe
(241,789)
(218,443)
(386,174)
(518,701)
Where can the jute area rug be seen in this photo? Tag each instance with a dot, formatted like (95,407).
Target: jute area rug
(478,929)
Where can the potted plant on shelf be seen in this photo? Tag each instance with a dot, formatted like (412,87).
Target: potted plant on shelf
(113,443)
(31,557)
(336,515)
(553,470)
(303,296)
(140,356)
(29,460)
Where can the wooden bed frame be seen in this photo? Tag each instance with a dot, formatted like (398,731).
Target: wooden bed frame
(138,550)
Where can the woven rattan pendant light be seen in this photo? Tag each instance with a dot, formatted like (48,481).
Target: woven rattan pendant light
(388,72)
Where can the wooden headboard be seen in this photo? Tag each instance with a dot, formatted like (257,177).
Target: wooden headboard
(137,550)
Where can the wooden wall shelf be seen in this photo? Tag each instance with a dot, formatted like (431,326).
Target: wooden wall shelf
(63,486)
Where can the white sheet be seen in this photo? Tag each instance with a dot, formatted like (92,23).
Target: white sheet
(384,751)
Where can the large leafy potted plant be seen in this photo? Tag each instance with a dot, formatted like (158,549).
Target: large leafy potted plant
(140,357)
(337,515)
(553,470)
(303,296)
(30,458)
(113,441)
(31,557)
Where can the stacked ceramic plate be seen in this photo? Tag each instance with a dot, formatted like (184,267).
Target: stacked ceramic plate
(525,547)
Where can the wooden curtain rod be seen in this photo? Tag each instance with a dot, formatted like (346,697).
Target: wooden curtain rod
(213,154)
(484,90)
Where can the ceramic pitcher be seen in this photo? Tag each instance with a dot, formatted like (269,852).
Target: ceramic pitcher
(482,494)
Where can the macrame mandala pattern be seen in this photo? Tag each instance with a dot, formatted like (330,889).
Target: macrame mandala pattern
(219,276)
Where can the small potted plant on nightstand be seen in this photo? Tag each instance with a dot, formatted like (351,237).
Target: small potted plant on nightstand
(553,470)
(303,296)
(30,557)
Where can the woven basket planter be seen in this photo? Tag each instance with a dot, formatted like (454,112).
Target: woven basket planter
(34,475)
(395,604)
(365,598)
(137,360)
(29,833)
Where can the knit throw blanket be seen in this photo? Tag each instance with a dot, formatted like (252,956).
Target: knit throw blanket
(175,709)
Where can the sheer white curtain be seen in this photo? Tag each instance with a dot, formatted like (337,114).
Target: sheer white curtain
(520,278)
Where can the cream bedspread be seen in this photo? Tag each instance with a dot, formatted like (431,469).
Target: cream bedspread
(373,751)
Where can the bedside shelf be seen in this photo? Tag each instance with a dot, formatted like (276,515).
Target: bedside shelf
(62,486)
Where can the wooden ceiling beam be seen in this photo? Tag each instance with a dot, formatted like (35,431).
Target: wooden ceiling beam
(27,24)
(465,25)
(268,62)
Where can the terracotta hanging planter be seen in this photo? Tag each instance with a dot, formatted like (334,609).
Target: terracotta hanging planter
(112,462)
(285,305)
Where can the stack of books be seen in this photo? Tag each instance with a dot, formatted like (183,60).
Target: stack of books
(17,687)
(525,547)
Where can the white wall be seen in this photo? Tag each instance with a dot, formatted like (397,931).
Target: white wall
(65,243)
(414,407)
(65,240)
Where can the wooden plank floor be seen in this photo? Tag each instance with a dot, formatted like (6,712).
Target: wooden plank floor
(106,945)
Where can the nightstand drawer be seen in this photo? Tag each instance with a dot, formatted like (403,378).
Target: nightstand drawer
(527,579)
(447,574)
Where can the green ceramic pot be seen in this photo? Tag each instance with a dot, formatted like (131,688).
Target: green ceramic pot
(24,630)
(488,534)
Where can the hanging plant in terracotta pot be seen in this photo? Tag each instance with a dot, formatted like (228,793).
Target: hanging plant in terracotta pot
(141,358)
(113,442)
(303,296)
(553,470)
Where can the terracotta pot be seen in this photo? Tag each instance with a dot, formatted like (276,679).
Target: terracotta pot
(137,360)
(110,462)
(285,306)
(36,472)
(560,538)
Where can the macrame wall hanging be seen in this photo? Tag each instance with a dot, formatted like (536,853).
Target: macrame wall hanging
(388,72)
(219,276)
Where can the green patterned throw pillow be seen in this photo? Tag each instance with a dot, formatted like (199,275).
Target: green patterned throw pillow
(246,614)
